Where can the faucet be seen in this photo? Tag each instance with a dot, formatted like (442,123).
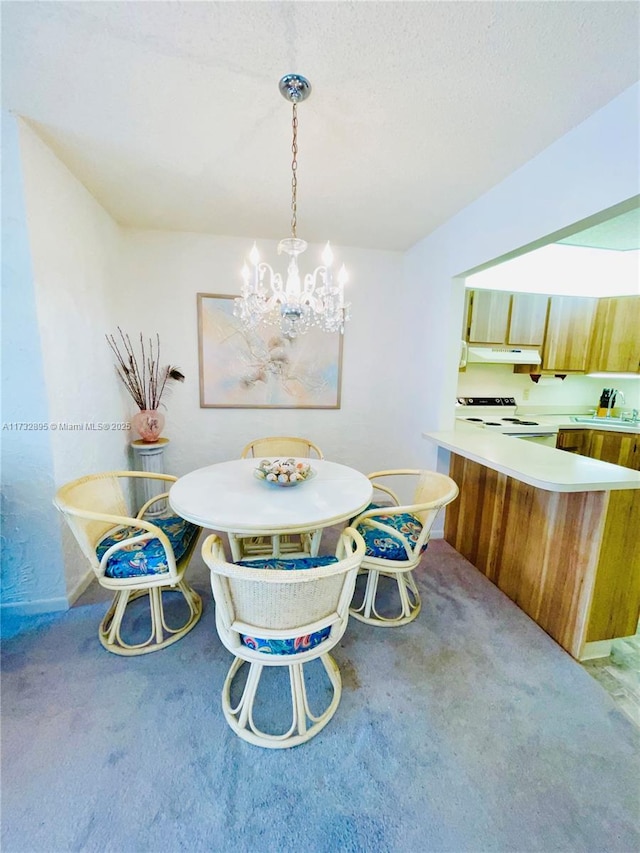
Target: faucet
(633,417)
(612,398)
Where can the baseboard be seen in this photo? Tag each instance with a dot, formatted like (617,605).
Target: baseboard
(437,534)
(598,649)
(48,605)
(34,608)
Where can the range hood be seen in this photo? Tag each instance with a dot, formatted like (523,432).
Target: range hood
(503,355)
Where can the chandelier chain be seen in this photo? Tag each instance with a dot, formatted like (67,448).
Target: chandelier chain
(294,170)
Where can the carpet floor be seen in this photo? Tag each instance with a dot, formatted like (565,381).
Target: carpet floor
(467,730)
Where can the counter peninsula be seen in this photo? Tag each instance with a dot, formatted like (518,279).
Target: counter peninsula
(556,532)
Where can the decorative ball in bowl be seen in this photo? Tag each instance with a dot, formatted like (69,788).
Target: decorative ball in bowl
(284,472)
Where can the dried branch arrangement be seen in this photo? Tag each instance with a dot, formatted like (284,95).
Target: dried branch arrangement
(141,374)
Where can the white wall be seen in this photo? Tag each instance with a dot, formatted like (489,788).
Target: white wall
(32,568)
(162,273)
(74,246)
(566,271)
(590,169)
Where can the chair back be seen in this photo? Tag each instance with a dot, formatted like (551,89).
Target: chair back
(278,604)
(436,491)
(96,504)
(432,492)
(85,502)
(281,445)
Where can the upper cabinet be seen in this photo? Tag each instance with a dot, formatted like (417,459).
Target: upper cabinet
(566,345)
(516,319)
(528,319)
(615,344)
(575,334)
(488,316)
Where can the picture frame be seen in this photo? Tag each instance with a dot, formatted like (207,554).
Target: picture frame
(262,368)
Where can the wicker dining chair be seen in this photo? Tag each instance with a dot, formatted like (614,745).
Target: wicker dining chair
(281,445)
(282,613)
(396,537)
(245,547)
(131,556)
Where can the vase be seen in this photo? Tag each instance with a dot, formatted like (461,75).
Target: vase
(148,423)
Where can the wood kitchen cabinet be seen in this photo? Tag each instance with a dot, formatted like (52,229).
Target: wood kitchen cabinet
(516,319)
(576,334)
(488,316)
(615,343)
(528,319)
(567,336)
(619,448)
(566,345)
(573,441)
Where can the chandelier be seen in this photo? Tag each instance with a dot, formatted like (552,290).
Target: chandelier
(293,305)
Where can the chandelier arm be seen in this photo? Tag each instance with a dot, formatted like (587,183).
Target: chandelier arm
(276,283)
(311,282)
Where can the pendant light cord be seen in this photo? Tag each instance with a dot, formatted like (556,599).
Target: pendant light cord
(294,169)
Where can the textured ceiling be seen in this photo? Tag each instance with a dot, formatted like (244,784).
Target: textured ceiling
(170,115)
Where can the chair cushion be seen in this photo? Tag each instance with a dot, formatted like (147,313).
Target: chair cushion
(281,564)
(384,545)
(293,645)
(146,558)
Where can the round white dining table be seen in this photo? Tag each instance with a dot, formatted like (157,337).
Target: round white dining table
(228,497)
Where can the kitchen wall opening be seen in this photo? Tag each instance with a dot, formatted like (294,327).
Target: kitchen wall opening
(571,281)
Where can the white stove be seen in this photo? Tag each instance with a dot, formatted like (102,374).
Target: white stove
(499,415)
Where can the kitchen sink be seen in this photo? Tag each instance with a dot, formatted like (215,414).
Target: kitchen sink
(578,419)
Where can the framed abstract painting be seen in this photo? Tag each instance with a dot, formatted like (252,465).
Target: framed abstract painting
(264,369)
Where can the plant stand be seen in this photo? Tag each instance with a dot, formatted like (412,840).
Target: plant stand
(149,457)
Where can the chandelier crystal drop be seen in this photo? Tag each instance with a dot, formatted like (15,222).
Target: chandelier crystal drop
(294,304)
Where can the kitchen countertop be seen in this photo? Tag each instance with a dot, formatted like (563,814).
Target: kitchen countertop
(567,422)
(539,466)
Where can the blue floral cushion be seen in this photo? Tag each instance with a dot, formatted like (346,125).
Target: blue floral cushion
(384,545)
(292,645)
(279,564)
(146,558)
(367,508)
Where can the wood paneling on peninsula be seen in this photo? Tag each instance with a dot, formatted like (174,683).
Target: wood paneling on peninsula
(562,557)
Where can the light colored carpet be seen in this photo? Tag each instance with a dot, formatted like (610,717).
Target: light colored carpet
(468,730)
